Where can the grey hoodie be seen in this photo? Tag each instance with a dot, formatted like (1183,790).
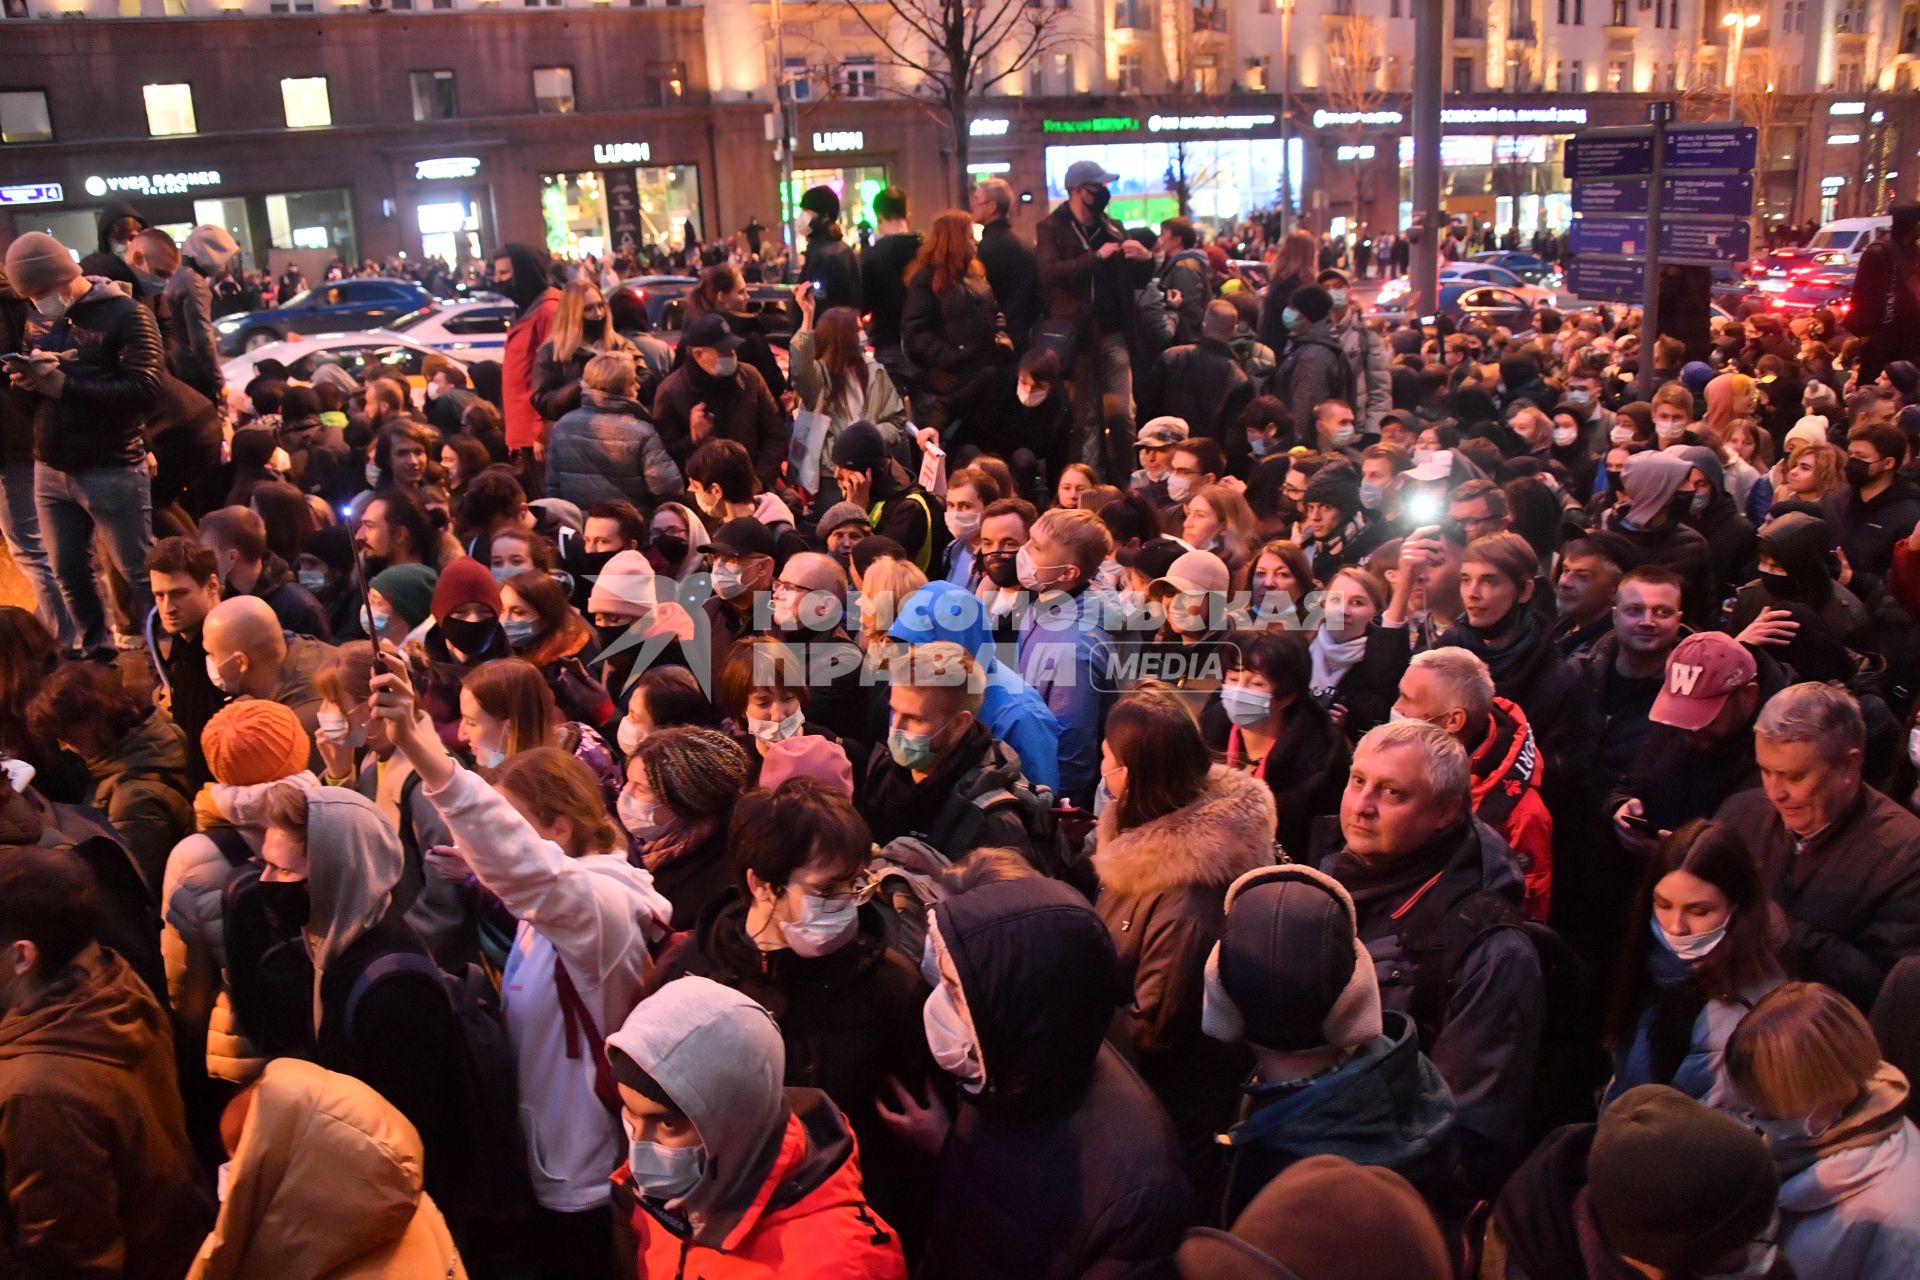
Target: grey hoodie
(353,862)
(719,1057)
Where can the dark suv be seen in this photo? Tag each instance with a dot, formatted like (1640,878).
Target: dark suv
(338,306)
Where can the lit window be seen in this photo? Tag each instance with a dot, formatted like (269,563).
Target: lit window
(553,90)
(1132,73)
(433,94)
(23,116)
(169,109)
(305,100)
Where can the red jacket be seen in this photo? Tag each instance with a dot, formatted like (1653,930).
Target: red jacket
(809,1220)
(525,426)
(1508,769)
(1903,578)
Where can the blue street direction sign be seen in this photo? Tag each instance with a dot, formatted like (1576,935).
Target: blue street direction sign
(1607,279)
(1604,155)
(1610,195)
(1704,239)
(31,193)
(1712,147)
(1722,195)
(1624,236)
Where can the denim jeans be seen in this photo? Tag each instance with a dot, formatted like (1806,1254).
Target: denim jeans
(119,501)
(20,522)
(1103,406)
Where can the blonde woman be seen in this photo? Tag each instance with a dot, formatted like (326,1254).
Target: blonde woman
(1810,473)
(1219,520)
(582,329)
(883,586)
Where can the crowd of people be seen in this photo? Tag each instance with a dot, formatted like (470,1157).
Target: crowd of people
(848,802)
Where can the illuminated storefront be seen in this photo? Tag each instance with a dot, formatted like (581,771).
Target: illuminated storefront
(627,206)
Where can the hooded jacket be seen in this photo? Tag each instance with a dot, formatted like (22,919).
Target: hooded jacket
(1831,617)
(1162,895)
(1849,1210)
(112,381)
(596,917)
(1012,711)
(780,1188)
(1386,1105)
(103,261)
(140,783)
(1057,1108)
(194,352)
(327,1184)
(537,301)
(99,1175)
(605,448)
(1507,771)
(1314,369)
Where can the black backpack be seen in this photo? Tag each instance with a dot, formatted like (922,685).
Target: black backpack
(269,971)
(1055,853)
(495,1177)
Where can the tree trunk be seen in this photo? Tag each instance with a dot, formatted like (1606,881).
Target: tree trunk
(960,126)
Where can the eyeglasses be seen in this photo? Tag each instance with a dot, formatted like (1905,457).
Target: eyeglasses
(860,889)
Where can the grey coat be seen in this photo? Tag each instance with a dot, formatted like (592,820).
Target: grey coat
(606,449)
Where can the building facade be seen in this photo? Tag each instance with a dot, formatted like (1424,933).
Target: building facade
(318,128)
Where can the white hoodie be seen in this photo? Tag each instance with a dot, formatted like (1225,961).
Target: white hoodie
(1856,1213)
(597,914)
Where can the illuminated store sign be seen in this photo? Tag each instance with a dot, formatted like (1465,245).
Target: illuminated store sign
(153,184)
(622,152)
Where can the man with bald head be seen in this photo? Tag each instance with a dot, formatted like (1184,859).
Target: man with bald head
(249,656)
(809,614)
(1202,381)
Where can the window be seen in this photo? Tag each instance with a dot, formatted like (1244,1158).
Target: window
(443,4)
(1132,77)
(1037,78)
(1620,18)
(1343,8)
(1562,13)
(305,100)
(799,80)
(859,78)
(1393,9)
(1576,78)
(1514,68)
(1619,76)
(1063,74)
(433,95)
(1848,78)
(1579,13)
(23,116)
(169,109)
(1131,15)
(666,83)
(1463,75)
(1206,73)
(1257,75)
(553,90)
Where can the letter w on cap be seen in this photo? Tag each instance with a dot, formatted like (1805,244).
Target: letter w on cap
(1681,678)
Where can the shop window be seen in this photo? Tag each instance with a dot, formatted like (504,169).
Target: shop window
(553,90)
(799,80)
(666,83)
(169,109)
(859,78)
(1132,73)
(433,93)
(305,100)
(23,116)
(1463,75)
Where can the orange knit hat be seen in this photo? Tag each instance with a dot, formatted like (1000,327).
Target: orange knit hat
(252,741)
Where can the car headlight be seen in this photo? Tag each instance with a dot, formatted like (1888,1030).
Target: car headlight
(231,324)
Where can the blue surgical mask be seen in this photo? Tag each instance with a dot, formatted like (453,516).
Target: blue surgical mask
(1291,319)
(1371,492)
(913,751)
(1339,297)
(313,579)
(1698,503)
(1260,445)
(502,573)
(1246,707)
(1694,947)
(663,1174)
(520,631)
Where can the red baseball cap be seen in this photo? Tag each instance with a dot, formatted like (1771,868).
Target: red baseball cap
(1702,671)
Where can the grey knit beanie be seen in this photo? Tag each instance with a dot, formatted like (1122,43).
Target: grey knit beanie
(36,262)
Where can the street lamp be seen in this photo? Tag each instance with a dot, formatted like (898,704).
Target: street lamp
(1286,107)
(1739,20)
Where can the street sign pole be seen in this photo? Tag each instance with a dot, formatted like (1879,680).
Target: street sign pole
(1429,50)
(1658,114)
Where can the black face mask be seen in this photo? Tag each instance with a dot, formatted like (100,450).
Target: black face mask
(611,633)
(1099,197)
(590,564)
(1616,480)
(672,546)
(1002,568)
(1859,472)
(1778,585)
(287,902)
(473,638)
(594,329)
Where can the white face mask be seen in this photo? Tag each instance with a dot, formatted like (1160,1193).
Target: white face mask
(727,582)
(821,927)
(640,817)
(52,306)
(1178,486)
(335,730)
(373,475)
(1913,747)
(1621,435)
(488,757)
(213,674)
(1564,436)
(726,366)
(952,1041)
(1694,947)
(963,525)
(1668,432)
(1033,397)
(629,735)
(772,731)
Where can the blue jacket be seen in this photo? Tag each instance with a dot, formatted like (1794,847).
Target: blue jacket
(1011,710)
(1066,655)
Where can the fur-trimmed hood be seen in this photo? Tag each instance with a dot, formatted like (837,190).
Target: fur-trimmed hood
(1226,832)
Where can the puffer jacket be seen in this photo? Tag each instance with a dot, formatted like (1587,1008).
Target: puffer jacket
(952,335)
(1700,1074)
(112,381)
(1508,769)
(1163,888)
(1366,354)
(326,1183)
(99,1177)
(141,785)
(1849,1209)
(588,922)
(605,448)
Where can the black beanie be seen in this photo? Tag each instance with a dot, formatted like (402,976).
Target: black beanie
(860,447)
(1335,486)
(1313,302)
(1675,1184)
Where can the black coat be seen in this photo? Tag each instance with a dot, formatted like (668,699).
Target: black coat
(743,409)
(1200,383)
(1681,548)
(696,879)
(1013,277)
(1306,768)
(112,382)
(1371,686)
(830,264)
(883,284)
(954,335)
(1064,1165)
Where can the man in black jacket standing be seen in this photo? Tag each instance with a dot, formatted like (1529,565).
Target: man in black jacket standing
(883,281)
(1008,260)
(1885,307)
(89,376)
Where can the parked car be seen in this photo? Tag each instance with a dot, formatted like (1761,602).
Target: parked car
(470,330)
(1837,244)
(1494,273)
(338,306)
(353,352)
(1530,267)
(1467,299)
(1831,288)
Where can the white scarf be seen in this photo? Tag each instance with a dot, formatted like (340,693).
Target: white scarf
(1332,659)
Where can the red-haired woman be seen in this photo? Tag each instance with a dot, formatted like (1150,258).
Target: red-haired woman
(951,325)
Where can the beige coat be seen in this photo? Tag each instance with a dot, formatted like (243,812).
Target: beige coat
(326,1185)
